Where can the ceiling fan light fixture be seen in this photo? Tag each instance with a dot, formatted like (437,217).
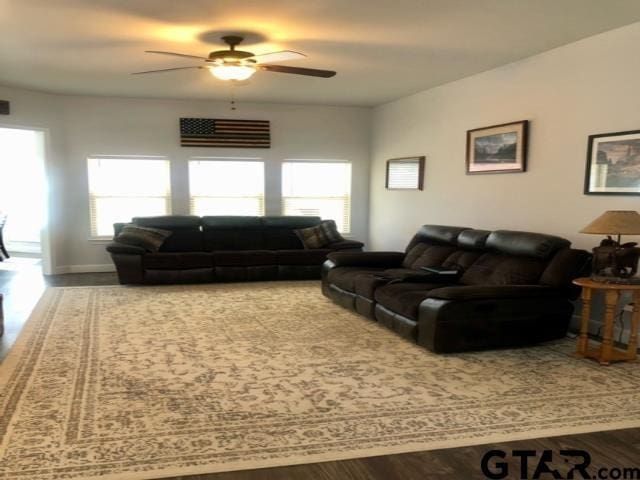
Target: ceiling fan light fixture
(232,72)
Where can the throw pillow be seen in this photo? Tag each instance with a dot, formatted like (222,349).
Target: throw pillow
(330,231)
(150,239)
(319,236)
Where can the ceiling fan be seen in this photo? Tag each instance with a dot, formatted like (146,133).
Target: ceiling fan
(239,65)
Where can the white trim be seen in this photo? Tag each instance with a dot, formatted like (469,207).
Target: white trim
(46,249)
(129,157)
(100,240)
(24,247)
(228,159)
(64,269)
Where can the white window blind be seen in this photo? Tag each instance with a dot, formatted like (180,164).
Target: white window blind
(226,187)
(122,188)
(405,173)
(318,189)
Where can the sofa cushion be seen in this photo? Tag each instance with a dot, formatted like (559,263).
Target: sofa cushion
(302,257)
(367,283)
(169,260)
(439,234)
(232,233)
(319,236)
(345,277)
(312,237)
(185,231)
(427,255)
(566,265)
(279,233)
(473,239)
(405,297)
(244,258)
(496,269)
(151,239)
(461,260)
(527,244)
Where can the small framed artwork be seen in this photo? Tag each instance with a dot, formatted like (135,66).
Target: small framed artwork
(405,173)
(613,164)
(498,149)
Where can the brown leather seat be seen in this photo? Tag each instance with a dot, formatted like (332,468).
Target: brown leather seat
(405,298)
(345,278)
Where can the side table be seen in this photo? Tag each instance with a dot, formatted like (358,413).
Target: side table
(612,291)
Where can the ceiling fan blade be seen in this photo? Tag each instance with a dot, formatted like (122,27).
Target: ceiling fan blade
(282,56)
(164,70)
(311,72)
(175,54)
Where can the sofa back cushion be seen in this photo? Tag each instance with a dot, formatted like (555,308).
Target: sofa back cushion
(232,233)
(536,245)
(514,258)
(499,269)
(185,231)
(427,255)
(431,246)
(278,232)
(436,234)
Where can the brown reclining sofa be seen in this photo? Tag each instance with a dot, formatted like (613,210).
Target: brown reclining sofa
(222,249)
(512,288)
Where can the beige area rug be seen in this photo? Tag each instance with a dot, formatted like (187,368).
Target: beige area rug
(147,382)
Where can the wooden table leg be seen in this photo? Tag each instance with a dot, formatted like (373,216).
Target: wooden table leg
(632,348)
(611,302)
(583,339)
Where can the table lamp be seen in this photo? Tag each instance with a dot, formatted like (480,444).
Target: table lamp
(613,261)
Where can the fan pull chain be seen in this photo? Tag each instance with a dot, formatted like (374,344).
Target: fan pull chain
(233,96)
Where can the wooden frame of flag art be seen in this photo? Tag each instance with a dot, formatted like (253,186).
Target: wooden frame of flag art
(225,133)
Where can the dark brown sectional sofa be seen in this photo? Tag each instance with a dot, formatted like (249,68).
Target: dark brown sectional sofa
(514,288)
(223,249)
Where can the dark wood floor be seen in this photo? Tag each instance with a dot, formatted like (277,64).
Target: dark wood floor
(613,449)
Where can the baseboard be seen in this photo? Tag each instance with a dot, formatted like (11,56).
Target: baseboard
(24,247)
(64,269)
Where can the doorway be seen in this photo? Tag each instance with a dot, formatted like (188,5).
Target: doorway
(23,199)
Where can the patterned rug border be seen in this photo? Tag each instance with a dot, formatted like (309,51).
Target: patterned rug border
(352,455)
(34,326)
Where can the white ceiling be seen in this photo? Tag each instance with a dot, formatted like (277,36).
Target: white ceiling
(382,49)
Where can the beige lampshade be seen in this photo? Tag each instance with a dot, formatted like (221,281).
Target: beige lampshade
(615,222)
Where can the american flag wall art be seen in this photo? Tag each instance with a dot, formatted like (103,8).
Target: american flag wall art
(226,133)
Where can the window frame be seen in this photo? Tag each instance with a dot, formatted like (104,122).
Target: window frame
(419,160)
(93,225)
(349,199)
(227,159)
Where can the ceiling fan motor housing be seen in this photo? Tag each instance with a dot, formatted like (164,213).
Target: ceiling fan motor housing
(232,54)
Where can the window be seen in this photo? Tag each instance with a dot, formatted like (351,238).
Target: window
(121,188)
(405,173)
(318,189)
(226,187)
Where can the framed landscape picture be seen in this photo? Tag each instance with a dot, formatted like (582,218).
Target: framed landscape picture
(498,149)
(613,164)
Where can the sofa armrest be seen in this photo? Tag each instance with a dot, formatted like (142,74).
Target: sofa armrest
(367,259)
(116,247)
(346,245)
(481,292)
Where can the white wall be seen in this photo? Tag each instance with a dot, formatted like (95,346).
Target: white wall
(584,88)
(82,126)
